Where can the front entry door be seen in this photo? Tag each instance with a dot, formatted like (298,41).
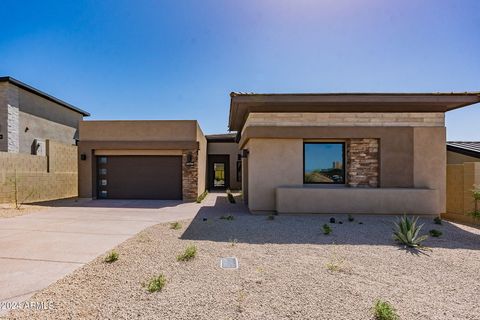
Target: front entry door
(218,172)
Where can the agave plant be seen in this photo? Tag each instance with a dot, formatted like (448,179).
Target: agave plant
(406,231)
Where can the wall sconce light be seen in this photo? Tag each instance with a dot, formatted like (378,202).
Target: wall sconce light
(83,156)
(189,159)
(26,129)
(244,153)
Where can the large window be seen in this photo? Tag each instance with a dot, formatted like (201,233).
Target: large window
(324,162)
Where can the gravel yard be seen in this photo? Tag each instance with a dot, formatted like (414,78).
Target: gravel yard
(288,269)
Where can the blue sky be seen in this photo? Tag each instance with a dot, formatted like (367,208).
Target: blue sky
(181,59)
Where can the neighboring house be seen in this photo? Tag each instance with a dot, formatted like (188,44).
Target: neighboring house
(459,152)
(463,175)
(29,117)
(38,152)
(344,153)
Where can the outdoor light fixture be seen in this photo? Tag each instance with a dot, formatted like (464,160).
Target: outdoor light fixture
(83,156)
(244,153)
(189,159)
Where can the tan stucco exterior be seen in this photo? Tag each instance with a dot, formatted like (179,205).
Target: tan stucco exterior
(412,157)
(161,137)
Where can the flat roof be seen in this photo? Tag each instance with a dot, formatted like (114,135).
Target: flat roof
(241,104)
(223,137)
(468,148)
(42,94)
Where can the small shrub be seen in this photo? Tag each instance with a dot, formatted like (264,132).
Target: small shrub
(175,225)
(327,229)
(233,242)
(333,267)
(476,199)
(229,217)
(437,220)
(407,232)
(112,256)
(383,310)
(202,196)
(435,233)
(189,253)
(157,283)
(332,220)
(271,217)
(350,218)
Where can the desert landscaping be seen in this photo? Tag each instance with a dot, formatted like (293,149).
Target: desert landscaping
(288,269)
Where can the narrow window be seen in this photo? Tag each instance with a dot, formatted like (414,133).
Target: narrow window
(324,162)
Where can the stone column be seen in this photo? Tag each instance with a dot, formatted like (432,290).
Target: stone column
(362,162)
(190,175)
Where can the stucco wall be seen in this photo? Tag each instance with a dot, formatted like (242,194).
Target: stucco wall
(39,178)
(202,161)
(272,163)
(141,138)
(410,157)
(231,149)
(154,130)
(25,116)
(458,158)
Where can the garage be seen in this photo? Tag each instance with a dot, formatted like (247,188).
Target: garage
(139,177)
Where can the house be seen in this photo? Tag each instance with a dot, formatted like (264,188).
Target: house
(344,153)
(459,152)
(38,152)
(291,153)
(29,117)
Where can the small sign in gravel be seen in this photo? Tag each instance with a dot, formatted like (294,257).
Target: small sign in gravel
(229,263)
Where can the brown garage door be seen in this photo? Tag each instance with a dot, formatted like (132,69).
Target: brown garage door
(139,177)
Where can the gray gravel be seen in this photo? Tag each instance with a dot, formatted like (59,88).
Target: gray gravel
(288,269)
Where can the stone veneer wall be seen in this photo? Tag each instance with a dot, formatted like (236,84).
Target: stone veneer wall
(9,118)
(190,175)
(362,162)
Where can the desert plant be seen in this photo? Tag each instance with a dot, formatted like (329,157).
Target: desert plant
(175,225)
(327,229)
(233,242)
(14,182)
(156,283)
(476,198)
(112,256)
(407,232)
(229,217)
(437,220)
(350,218)
(435,233)
(230,197)
(383,310)
(332,220)
(189,253)
(202,196)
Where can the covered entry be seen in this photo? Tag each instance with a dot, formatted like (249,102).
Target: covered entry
(218,172)
(139,177)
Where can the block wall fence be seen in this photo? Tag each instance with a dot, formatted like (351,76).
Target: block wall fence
(461,179)
(39,178)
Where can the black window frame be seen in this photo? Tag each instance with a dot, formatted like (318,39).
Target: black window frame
(344,146)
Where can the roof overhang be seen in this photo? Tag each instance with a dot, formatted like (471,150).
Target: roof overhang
(42,94)
(241,104)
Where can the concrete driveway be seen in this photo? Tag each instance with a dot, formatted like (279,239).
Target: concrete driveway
(42,247)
